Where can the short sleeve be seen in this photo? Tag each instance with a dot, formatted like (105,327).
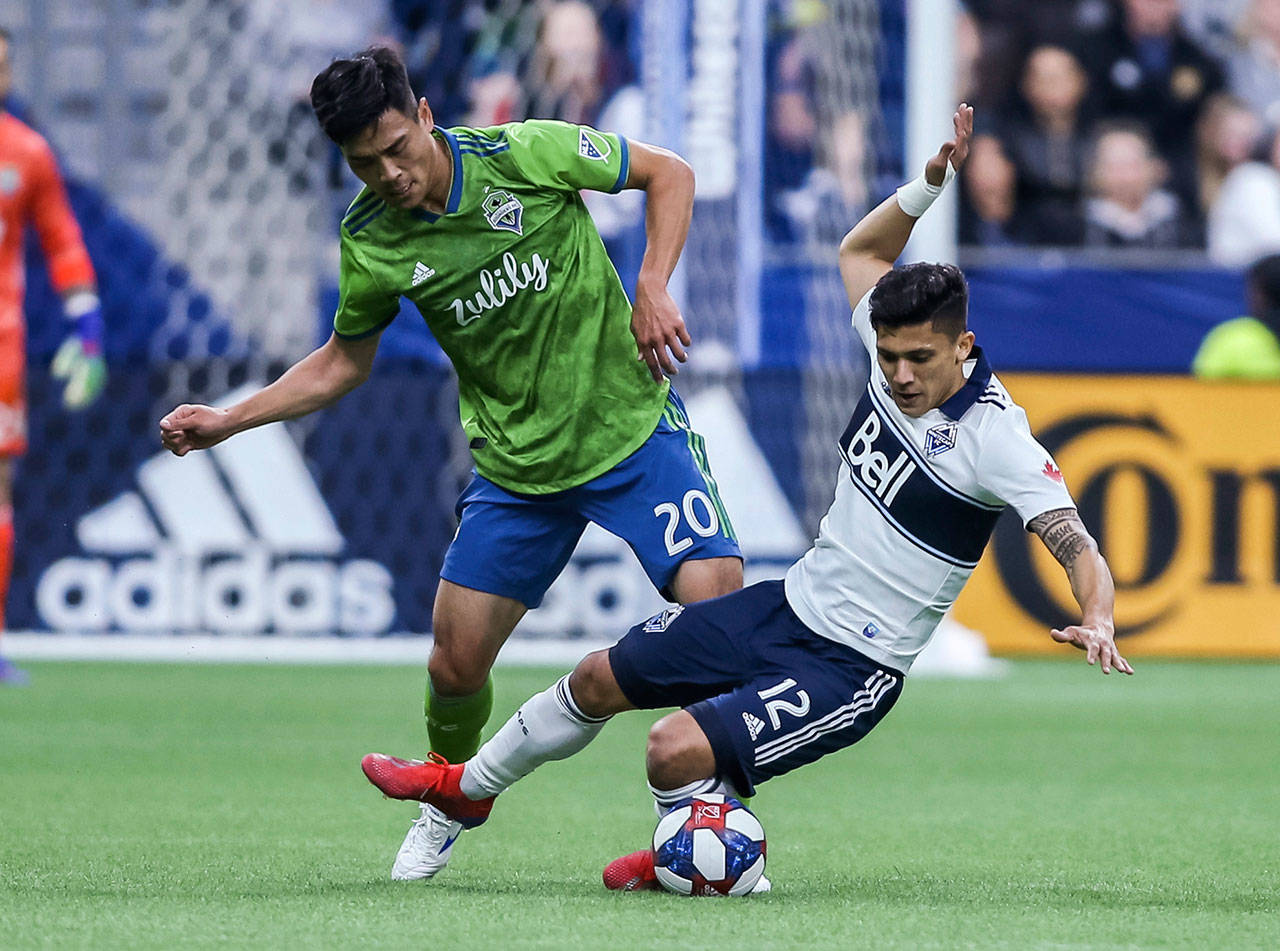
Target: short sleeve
(364,308)
(1019,471)
(862,323)
(569,157)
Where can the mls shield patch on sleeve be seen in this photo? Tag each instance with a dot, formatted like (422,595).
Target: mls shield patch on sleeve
(593,145)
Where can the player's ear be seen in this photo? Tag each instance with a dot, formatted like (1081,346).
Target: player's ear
(964,345)
(424,114)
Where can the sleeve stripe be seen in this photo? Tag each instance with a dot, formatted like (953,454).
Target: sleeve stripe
(377,328)
(476,142)
(354,227)
(624,165)
(360,206)
(485,154)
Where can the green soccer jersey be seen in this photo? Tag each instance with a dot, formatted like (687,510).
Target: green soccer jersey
(515,284)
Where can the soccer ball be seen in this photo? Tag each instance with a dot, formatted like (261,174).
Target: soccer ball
(709,845)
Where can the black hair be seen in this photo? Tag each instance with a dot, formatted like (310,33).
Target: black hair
(1263,283)
(350,95)
(6,35)
(915,293)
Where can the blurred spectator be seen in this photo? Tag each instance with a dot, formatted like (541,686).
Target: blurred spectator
(972,79)
(494,97)
(564,79)
(1227,135)
(1128,208)
(1142,66)
(1247,348)
(1254,63)
(1043,140)
(792,122)
(1244,220)
(441,41)
(1213,24)
(1007,30)
(818,154)
(990,180)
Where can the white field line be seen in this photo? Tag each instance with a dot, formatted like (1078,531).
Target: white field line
(238,649)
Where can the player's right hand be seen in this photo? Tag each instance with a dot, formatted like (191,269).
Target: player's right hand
(194,427)
(954,151)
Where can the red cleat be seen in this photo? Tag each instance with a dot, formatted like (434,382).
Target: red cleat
(434,782)
(631,873)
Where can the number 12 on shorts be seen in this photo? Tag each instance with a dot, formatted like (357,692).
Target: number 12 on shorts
(704,523)
(775,706)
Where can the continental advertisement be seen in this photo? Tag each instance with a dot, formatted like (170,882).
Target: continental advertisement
(1179,480)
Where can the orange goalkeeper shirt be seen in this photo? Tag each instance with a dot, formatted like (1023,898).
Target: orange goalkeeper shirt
(32,192)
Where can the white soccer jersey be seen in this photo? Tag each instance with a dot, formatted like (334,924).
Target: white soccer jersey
(916,501)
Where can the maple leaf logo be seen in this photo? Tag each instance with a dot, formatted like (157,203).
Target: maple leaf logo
(1052,471)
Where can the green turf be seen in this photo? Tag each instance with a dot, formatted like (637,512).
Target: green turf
(175,806)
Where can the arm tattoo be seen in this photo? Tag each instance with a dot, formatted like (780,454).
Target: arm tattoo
(1063,534)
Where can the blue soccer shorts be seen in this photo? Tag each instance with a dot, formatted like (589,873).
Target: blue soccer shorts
(661,500)
(769,693)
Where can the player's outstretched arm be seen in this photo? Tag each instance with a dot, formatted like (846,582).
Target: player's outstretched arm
(315,381)
(874,243)
(1064,534)
(656,321)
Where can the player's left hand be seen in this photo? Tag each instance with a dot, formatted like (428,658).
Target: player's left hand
(659,329)
(1098,644)
(84,371)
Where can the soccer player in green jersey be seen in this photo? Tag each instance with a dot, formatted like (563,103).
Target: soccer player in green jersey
(562,381)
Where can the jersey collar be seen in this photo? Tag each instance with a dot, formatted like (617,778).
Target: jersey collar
(455,187)
(959,402)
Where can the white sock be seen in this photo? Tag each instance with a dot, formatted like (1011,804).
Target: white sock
(664,799)
(548,726)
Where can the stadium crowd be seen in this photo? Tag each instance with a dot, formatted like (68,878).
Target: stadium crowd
(1150,124)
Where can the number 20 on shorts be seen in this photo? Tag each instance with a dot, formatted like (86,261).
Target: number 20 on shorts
(704,523)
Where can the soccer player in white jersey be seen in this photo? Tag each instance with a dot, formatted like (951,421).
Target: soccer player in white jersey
(781,673)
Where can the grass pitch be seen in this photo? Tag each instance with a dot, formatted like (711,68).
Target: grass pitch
(184,806)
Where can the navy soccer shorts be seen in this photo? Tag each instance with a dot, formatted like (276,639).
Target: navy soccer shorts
(769,693)
(661,500)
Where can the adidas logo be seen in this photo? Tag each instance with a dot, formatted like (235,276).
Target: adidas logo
(421,272)
(754,724)
(236,538)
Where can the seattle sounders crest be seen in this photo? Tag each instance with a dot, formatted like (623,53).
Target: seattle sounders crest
(503,211)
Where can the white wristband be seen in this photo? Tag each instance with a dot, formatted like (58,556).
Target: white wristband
(915,197)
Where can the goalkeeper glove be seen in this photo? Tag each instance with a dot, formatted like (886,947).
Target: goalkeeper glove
(79,359)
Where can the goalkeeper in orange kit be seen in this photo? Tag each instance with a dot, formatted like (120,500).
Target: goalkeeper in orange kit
(32,193)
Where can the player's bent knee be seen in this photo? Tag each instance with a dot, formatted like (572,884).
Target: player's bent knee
(702,579)
(455,676)
(595,690)
(678,752)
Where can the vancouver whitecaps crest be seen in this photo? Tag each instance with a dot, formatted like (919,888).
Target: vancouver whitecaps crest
(500,284)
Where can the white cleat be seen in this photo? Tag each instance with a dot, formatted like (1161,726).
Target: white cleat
(761,886)
(427,846)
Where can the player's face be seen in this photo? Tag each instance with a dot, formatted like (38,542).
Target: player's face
(923,366)
(396,156)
